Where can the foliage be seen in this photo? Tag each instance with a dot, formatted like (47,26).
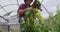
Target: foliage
(32,21)
(53,22)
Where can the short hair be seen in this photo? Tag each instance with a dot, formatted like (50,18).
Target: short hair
(26,0)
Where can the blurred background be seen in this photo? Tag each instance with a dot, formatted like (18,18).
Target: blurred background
(8,12)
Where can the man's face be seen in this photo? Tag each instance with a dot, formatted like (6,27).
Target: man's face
(28,2)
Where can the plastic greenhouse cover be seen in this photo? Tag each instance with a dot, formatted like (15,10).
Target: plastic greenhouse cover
(8,9)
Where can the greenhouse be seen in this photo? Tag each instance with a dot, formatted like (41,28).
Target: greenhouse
(47,20)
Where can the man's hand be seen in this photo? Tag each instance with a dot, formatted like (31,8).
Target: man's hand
(20,12)
(26,9)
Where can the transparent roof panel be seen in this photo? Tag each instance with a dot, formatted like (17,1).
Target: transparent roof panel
(2,12)
(6,2)
(8,8)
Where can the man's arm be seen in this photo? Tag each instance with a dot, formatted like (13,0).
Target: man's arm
(20,12)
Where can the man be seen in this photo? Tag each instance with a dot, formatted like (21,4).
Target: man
(24,7)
